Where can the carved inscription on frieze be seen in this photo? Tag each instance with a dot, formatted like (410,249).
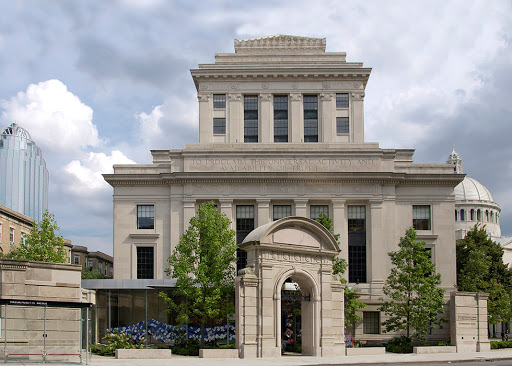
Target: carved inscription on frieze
(281,165)
(292,257)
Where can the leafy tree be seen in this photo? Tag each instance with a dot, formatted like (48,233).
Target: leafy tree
(203,265)
(92,274)
(415,300)
(480,268)
(339,266)
(43,244)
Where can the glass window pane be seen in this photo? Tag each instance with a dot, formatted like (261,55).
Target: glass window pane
(371,322)
(250,118)
(342,125)
(145,262)
(219,126)
(342,100)
(219,101)
(421,217)
(145,217)
(281,211)
(316,210)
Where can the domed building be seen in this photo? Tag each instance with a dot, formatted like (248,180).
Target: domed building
(473,203)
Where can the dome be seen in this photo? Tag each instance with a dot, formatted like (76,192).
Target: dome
(472,190)
(15,130)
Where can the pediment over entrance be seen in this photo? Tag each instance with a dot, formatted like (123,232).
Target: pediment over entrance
(294,231)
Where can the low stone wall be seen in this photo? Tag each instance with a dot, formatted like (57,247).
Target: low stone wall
(434,349)
(365,351)
(143,353)
(218,353)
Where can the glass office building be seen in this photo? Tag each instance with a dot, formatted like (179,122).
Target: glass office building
(23,173)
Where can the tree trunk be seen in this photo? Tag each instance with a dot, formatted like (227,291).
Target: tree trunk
(201,344)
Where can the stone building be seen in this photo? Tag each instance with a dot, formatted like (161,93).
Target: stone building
(14,227)
(281,133)
(98,261)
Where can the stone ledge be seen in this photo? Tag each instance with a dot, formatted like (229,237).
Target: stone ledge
(434,349)
(218,353)
(365,351)
(143,353)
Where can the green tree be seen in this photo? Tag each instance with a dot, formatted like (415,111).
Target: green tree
(43,244)
(339,266)
(415,298)
(203,265)
(480,268)
(92,274)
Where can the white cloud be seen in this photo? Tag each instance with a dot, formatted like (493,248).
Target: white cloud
(87,173)
(55,118)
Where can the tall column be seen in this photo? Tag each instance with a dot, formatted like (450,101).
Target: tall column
(326,120)
(340,227)
(266,120)
(205,118)
(189,211)
(263,212)
(226,208)
(301,206)
(296,122)
(235,119)
(376,250)
(357,118)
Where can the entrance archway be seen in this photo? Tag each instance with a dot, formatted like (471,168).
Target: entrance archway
(298,248)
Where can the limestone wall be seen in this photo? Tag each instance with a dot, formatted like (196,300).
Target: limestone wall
(38,281)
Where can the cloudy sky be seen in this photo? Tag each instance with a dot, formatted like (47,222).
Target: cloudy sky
(102,82)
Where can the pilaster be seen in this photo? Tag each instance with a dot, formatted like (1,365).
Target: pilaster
(205,117)
(357,118)
(376,273)
(235,120)
(301,207)
(263,212)
(266,118)
(296,122)
(226,208)
(327,120)
(189,211)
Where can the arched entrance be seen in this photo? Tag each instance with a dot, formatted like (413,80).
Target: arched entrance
(297,248)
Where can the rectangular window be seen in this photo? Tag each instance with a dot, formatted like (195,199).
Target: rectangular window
(316,210)
(1,230)
(219,126)
(371,322)
(341,100)
(280,118)
(219,101)
(11,236)
(145,217)
(244,225)
(100,267)
(23,238)
(421,217)
(251,118)
(89,264)
(342,125)
(281,211)
(76,259)
(310,118)
(145,262)
(357,244)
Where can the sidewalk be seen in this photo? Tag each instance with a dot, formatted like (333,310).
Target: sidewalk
(388,358)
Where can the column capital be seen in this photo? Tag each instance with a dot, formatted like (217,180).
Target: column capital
(376,204)
(326,97)
(300,202)
(235,97)
(189,202)
(266,97)
(295,97)
(357,95)
(263,202)
(203,97)
(338,203)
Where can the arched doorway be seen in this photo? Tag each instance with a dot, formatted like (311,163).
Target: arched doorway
(297,248)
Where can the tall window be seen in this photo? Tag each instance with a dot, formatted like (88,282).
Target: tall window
(310,118)
(145,262)
(11,236)
(76,259)
(316,210)
(472,215)
(371,322)
(219,126)
(89,264)
(357,244)
(251,118)
(479,215)
(23,238)
(219,101)
(1,230)
(342,125)
(421,217)
(281,211)
(100,267)
(280,118)
(462,216)
(145,217)
(341,100)
(244,225)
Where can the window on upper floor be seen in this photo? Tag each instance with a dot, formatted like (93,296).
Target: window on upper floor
(244,225)
(342,125)
(100,267)
(145,262)
(341,100)
(219,126)
(23,238)
(281,211)
(479,215)
(357,244)
(145,216)
(310,118)
(462,215)
(456,215)
(219,101)
(76,259)
(421,217)
(250,118)
(316,210)
(371,322)
(11,236)
(472,215)
(89,264)
(280,118)
(1,230)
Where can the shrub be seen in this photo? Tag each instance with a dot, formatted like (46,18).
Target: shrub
(399,345)
(186,347)
(116,340)
(503,344)
(227,346)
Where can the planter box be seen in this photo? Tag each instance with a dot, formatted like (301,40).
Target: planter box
(365,351)
(218,353)
(143,353)
(434,349)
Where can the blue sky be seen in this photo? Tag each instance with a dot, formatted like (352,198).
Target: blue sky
(103,82)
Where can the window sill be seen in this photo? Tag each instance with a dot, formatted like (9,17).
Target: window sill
(425,235)
(144,236)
